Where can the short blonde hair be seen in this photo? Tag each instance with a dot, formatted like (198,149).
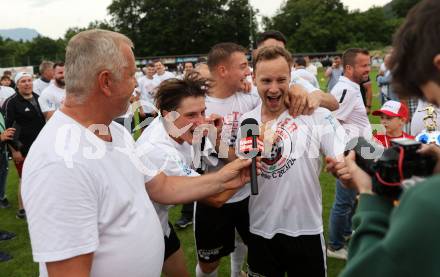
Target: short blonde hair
(89,53)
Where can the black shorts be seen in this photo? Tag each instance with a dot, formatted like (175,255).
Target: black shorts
(296,256)
(215,229)
(172,243)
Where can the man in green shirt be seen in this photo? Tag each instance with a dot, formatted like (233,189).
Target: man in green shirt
(401,240)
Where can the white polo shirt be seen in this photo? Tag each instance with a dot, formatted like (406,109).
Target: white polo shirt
(351,113)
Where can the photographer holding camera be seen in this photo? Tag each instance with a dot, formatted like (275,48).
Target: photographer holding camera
(403,239)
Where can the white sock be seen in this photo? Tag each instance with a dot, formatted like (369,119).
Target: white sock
(238,256)
(200,273)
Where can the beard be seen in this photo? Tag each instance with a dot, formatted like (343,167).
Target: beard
(60,82)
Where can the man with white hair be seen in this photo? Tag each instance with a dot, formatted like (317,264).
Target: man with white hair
(84,187)
(46,75)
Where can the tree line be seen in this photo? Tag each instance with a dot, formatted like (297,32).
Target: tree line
(174,27)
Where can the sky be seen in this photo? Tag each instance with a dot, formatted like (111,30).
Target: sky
(53,17)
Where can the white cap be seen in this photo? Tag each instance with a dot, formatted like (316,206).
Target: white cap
(20,75)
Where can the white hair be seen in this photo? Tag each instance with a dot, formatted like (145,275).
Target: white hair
(45,65)
(87,54)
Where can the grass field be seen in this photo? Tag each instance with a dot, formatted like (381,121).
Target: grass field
(23,266)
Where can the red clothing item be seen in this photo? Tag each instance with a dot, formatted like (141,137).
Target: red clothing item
(386,140)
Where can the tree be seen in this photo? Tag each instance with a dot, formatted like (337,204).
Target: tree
(168,27)
(44,48)
(370,29)
(401,7)
(92,25)
(326,25)
(311,25)
(11,52)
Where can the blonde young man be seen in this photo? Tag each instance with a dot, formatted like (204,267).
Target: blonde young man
(285,218)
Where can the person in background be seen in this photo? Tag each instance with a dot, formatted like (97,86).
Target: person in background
(53,96)
(8,73)
(393,116)
(5,136)
(161,73)
(300,71)
(46,75)
(5,81)
(23,113)
(311,67)
(5,90)
(353,117)
(334,72)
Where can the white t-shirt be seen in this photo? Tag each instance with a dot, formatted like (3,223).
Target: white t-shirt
(351,113)
(84,195)
(306,75)
(39,85)
(5,93)
(148,89)
(51,98)
(297,80)
(174,159)
(417,124)
(232,108)
(165,76)
(290,200)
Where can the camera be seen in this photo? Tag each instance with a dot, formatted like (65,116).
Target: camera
(390,167)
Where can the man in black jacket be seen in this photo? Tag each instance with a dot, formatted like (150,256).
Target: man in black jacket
(23,113)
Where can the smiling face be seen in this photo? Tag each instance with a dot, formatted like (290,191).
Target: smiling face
(150,71)
(272,78)
(160,69)
(24,86)
(236,69)
(361,68)
(191,112)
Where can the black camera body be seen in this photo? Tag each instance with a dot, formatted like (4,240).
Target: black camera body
(390,167)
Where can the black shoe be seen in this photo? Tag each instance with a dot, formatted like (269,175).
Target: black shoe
(4,203)
(6,235)
(21,214)
(4,257)
(183,222)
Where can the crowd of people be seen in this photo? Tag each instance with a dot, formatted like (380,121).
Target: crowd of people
(96,201)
